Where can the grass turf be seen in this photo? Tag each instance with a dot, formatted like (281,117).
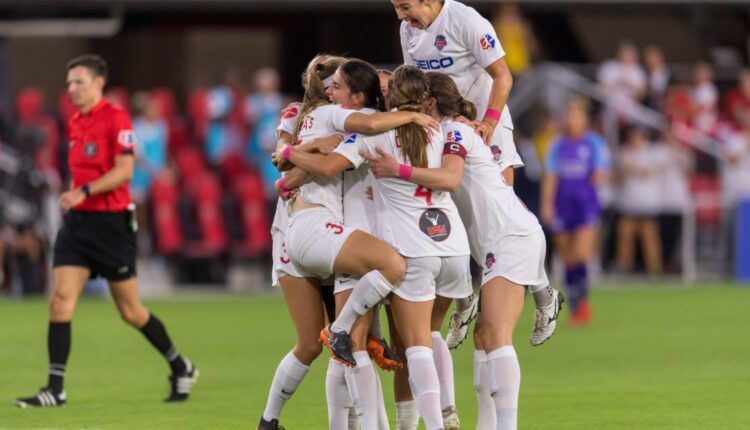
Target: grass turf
(655,358)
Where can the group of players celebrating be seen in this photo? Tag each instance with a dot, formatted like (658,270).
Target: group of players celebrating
(391,186)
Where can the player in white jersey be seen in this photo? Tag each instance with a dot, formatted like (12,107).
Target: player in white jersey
(421,224)
(503,235)
(316,239)
(302,295)
(446,36)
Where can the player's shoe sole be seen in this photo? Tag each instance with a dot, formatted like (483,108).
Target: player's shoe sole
(382,354)
(545,320)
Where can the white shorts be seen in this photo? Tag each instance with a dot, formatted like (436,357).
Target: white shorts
(314,239)
(504,149)
(519,259)
(282,265)
(344,283)
(429,276)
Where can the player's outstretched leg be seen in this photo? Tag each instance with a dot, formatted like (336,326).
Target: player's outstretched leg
(184,372)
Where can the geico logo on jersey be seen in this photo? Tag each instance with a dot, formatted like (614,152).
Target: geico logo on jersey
(352,137)
(487,42)
(435,64)
(454,136)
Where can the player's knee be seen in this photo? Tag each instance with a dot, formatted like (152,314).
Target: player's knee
(494,335)
(132,315)
(61,306)
(307,351)
(394,267)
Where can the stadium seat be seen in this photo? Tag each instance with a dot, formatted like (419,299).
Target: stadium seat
(252,206)
(119,96)
(197,110)
(167,228)
(204,190)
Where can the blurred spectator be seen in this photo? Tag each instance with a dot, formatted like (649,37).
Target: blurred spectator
(623,79)
(576,165)
(737,102)
(151,145)
(263,108)
(639,202)
(516,37)
(705,98)
(546,131)
(676,165)
(678,103)
(657,75)
(736,170)
(224,137)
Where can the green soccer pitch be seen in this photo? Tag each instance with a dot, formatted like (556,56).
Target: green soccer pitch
(657,356)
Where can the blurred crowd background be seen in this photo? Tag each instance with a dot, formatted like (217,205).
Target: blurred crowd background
(668,87)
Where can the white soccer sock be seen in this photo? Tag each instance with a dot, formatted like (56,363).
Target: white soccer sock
(362,383)
(339,400)
(425,386)
(486,418)
(288,376)
(407,416)
(444,367)
(368,292)
(504,375)
(383,423)
(353,420)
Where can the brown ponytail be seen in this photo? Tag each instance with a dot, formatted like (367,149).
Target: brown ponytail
(320,68)
(408,90)
(449,101)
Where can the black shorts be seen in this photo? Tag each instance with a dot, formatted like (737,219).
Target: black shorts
(101,241)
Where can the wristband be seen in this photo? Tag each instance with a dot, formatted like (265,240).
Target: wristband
(404,171)
(282,186)
(86,190)
(492,114)
(287,152)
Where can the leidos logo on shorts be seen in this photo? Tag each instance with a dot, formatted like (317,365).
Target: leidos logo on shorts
(487,42)
(435,224)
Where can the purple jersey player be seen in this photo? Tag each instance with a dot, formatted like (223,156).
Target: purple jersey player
(576,164)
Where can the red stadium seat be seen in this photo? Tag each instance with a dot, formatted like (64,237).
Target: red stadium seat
(706,190)
(197,111)
(253,210)
(118,96)
(65,107)
(29,108)
(167,228)
(205,191)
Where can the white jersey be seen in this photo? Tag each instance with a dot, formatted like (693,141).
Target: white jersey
(287,124)
(415,220)
(488,206)
(461,44)
(326,191)
(359,211)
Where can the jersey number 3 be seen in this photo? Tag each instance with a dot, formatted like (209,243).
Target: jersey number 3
(425,192)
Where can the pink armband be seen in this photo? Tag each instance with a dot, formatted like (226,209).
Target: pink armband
(287,152)
(492,114)
(404,171)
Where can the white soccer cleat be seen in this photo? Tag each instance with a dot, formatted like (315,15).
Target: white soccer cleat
(458,325)
(450,419)
(545,319)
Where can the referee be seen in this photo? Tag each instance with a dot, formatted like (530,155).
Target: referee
(98,232)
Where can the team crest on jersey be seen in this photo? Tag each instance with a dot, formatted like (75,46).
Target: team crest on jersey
(489,260)
(487,42)
(496,152)
(351,138)
(440,42)
(126,138)
(291,112)
(435,224)
(454,136)
(90,149)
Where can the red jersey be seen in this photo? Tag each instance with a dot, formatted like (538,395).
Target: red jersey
(94,140)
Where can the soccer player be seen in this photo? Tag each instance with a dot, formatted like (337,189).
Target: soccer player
(98,234)
(502,233)
(576,164)
(448,37)
(302,295)
(422,224)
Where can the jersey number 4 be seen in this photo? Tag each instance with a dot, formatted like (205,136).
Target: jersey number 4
(425,192)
